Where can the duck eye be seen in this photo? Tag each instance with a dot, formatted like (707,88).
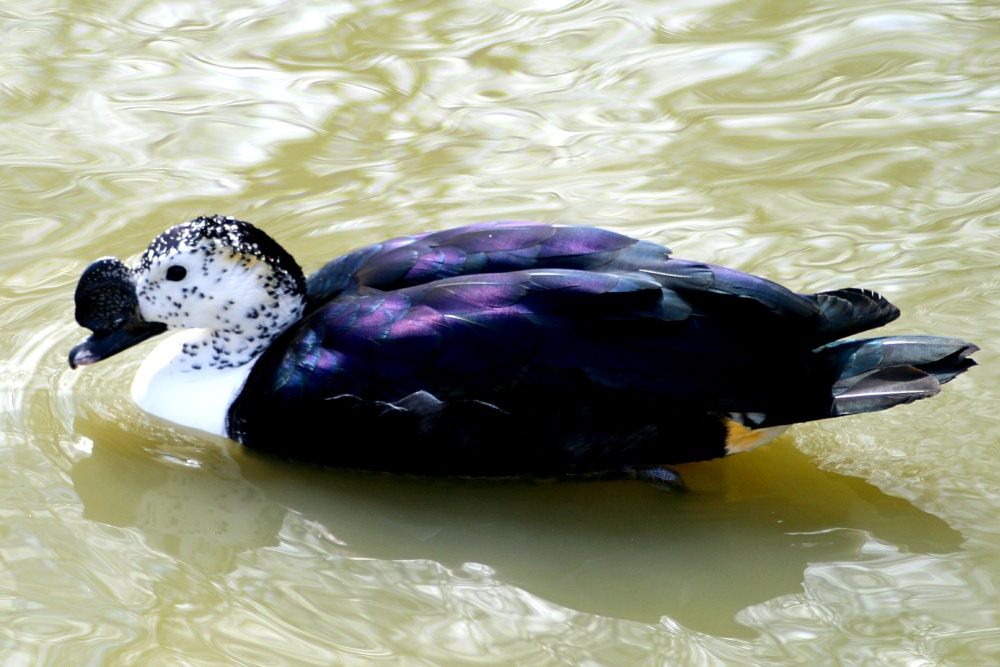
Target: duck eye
(176,273)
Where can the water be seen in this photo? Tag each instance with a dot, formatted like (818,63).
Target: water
(820,144)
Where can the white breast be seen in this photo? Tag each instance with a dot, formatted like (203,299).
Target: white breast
(167,386)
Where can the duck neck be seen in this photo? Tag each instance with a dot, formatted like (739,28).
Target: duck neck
(187,381)
(192,377)
(241,341)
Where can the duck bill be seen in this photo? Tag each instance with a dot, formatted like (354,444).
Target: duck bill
(108,305)
(101,346)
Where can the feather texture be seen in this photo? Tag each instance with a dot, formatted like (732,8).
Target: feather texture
(501,348)
(568,342)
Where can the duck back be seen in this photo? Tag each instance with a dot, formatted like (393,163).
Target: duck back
(517,348)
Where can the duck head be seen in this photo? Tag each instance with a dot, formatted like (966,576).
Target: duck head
(217,274)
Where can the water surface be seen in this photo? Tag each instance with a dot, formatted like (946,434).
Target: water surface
(820,144)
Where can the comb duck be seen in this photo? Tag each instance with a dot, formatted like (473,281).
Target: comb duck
(502,348)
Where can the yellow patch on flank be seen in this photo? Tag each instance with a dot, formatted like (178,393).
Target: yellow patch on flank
(740,438)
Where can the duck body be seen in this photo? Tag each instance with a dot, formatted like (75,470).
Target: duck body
(501,348)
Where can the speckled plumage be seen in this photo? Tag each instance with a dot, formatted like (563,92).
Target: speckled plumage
(517,348)
(198,274)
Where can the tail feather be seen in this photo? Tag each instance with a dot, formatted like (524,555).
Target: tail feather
(845,312)
(882,389)
(879,373)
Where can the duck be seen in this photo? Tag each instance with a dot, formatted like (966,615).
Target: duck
(492,350)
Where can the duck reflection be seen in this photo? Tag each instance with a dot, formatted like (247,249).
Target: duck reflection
(189,501)
(744,534)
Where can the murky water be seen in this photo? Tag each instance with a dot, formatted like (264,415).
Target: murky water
(822,144)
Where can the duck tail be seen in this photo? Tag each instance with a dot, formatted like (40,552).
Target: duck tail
(845,312)
(878,373)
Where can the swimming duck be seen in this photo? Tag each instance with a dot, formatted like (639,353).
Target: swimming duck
(501,348)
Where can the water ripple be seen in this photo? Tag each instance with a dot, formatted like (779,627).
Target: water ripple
(820,144)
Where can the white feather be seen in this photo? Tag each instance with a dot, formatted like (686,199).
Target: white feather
(166,387)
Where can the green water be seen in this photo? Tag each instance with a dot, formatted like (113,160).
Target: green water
(820,144)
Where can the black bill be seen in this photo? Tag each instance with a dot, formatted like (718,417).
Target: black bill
(107,304)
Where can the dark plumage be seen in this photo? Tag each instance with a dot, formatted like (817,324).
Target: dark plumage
(516,348)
